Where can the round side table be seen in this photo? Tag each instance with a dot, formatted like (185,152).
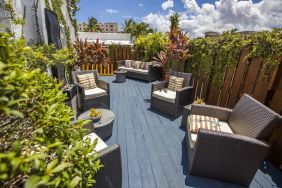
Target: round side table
(104,127)
(120,76)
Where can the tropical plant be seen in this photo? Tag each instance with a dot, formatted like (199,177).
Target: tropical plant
(90,53)
(178,49)
(149,45)
(162,62)
(40,146)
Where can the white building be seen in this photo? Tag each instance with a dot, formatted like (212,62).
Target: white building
(107,38)
(33,30)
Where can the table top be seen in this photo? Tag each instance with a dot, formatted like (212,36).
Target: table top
(120,72)
(107,117)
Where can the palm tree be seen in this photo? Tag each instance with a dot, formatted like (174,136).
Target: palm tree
(93,25)
(128,26)
(136,29)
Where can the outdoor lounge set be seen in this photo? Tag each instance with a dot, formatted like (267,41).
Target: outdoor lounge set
(140,70)
(224,144)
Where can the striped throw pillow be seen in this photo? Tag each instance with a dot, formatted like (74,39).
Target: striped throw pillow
(205,122)
(171,83)
(87,80)
(175,83)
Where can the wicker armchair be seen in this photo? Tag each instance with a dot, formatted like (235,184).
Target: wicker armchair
(173,106)
(87,100)
(233,157)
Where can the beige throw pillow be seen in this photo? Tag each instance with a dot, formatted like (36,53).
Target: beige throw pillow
(127,63)
(175,83)
(205,122)
(87,80)
(137,64)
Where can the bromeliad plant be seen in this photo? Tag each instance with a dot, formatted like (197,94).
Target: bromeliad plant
(40,146)
(93,113)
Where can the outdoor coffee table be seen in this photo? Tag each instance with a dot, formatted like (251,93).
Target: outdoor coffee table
(120,76)
(104,127)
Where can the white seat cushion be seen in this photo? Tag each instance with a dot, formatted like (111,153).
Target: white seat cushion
(95,91)
(125,68)
(100,143)
(140,71)
(130,69)
(223,126)
(168,96)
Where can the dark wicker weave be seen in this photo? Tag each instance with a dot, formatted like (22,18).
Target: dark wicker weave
(232,157)
(154,73)
(87,102)
(183,96)
(110,175)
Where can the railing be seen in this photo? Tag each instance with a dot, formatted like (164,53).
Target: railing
(107,70)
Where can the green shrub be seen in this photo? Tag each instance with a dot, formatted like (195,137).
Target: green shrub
(40,146)
(151,44)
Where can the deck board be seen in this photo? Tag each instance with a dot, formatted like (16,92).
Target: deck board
(153,147)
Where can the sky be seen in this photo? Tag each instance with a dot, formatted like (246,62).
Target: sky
(196,16)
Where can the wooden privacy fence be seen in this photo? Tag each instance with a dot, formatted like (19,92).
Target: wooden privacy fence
(246,78)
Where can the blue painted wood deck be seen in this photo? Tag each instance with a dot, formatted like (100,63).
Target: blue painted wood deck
(153,147)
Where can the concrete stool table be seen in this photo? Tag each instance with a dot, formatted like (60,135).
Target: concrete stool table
(120,76)
(104,127)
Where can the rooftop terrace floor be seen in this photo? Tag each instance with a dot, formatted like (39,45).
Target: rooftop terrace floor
(152,145)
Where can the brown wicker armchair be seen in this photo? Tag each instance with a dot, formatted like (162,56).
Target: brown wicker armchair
(172,105)
(234,154)
(92,97)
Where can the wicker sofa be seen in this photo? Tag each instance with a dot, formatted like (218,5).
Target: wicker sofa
(235,153)
(143,71)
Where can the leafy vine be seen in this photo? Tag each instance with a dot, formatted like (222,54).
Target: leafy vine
(211,56)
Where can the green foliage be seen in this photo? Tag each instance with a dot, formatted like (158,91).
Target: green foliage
(40,146)
(267,45)
(40,57)
(92,25)
(151,44)
(211,56)
(136,29)
(174,21)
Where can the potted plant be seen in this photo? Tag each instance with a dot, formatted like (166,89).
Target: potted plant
(199,101)
(95,115)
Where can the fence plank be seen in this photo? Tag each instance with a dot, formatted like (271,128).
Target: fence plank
(238,79)
(226,87)
(251,77)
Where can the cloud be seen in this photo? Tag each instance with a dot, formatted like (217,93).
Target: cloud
(140,5)
(222,15)
(111,11)
(167,4)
